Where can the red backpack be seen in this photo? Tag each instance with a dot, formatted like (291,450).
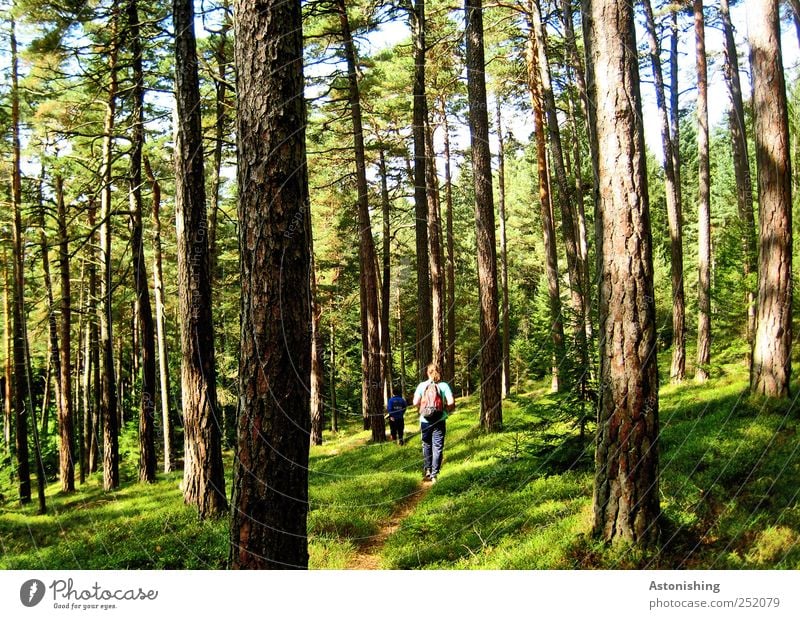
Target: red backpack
(431,405)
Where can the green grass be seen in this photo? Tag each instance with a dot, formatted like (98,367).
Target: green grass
(519,499)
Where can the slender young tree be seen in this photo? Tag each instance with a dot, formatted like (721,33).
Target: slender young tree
(626,503)
(674,216)
(548,229)
(450,286)
(8,361)
(161,336)
(20,378)
(386,279)
(501,213)
(66,458)
(703,201)
(435,259)
(741,165)
(270,494)
(420,114)
(771,367)
(147,408)
(203,479)
(491,356)
(372,396)
(108,385)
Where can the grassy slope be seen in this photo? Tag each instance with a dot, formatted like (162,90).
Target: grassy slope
(520,499)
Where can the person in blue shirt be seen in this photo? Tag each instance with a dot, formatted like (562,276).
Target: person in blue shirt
(396,406)
(434,398)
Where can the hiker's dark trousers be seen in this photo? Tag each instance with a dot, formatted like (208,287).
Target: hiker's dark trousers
(433,445)
(396,427)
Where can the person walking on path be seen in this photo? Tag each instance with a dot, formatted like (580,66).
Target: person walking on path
(435,399)
(396,406)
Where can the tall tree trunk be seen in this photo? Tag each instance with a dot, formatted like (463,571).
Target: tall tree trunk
(147,409)
(401,344)
(741,167)
(674,114)
(575,268)
(583,245)
(46,388)
(703,202)
(65,418)
(21,380)
(220,114)
(435,259)
(108,398)
(491,356)
(332,381)
(501,212)
(270,494)
(371,359)
(420,113)
(94,346)
(678,368)
(771,368)
(80,360)
(450,287)
(316,382)
(626,500)
(7,376)
(161,336)
(54,357)
(548,229)
(386,349)
(203,479)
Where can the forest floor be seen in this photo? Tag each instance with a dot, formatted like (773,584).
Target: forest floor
(518,499)
(367,555)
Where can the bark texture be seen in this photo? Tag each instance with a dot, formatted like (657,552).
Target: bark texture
(491,358)
(270,495)
(771,368)
(703,201)
(626,503)
(203,480)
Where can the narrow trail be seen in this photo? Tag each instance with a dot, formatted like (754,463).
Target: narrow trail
(368,552)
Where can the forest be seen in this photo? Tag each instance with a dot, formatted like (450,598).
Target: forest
(233,229)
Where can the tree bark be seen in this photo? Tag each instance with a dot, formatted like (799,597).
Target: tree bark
(548,229)
(54,357)
(501,212)
(741,167)
(450,356)
(168,427)
(491,357)
(108,398)
(20,378)
(7,382)
(220,121)
(420,113)
(147,409)
(626,499)
(317,374)
(435,260)
(678,367)
(65,417)
(703,202)
(94,346)
(770,371)
(575,268)
(386,349)
(203,479)
(371,357)
(270,494)
(332,381)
